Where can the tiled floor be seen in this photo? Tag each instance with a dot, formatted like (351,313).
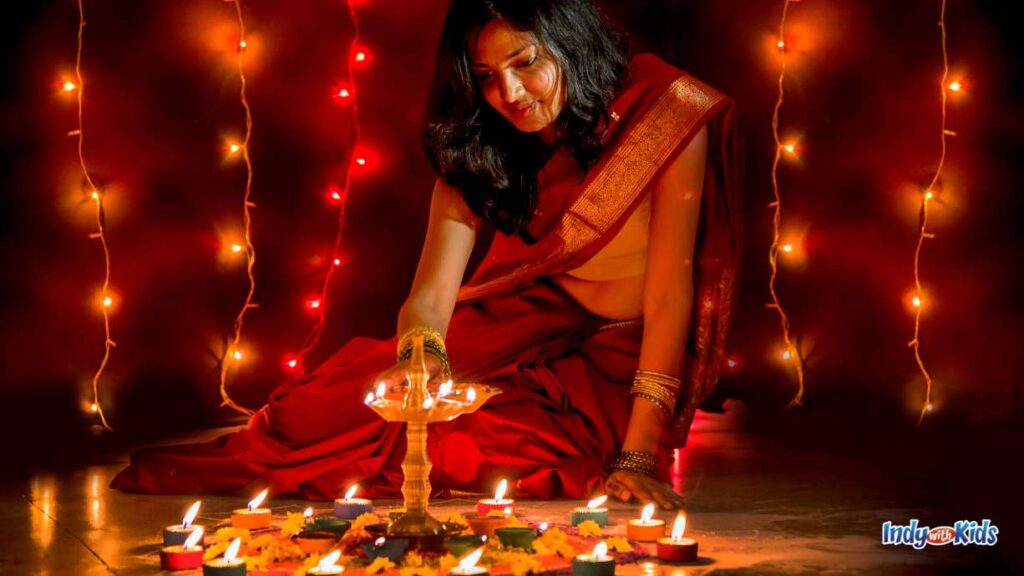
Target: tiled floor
(760,501)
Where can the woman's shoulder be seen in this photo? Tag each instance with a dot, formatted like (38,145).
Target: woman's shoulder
(647,73)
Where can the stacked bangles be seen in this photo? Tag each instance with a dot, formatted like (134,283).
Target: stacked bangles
(433,343)
(661,389)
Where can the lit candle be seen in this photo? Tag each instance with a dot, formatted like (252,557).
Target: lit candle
(598,563)
(184,556)
(179,533)
(252,516)
(645,529)
(467,566)
(390,548)
(229,564)
(499,502)
(677,548)
(593,511)
(327,565)
(350,508)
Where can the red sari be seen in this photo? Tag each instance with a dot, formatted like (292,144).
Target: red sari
(565,372)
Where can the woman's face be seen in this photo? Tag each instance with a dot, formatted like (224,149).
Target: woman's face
(517,76)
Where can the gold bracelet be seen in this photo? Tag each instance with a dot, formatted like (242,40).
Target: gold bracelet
(654,400)
(432,344)
(669,396)
(429,335)
(658,378)
(638,461)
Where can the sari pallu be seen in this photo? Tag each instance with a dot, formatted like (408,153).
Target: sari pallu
(565,373)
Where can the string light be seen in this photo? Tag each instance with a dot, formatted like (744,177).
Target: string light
(346,94)
(101,233)
(250,252)
(922,229)
(773,253)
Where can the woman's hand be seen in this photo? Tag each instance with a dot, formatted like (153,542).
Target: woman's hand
(397,373)
(627,485)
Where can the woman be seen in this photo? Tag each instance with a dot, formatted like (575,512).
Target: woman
(601,306)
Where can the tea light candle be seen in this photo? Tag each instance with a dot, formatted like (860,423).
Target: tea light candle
(327,565)
(516,536)
(179,533)
(467,566)
(184,556)
(229,564)
(391,549)
(252,516)
(486,525)
(598,563)
(350,508)
(645,529)
(677,548)
(499,502)
(593,511)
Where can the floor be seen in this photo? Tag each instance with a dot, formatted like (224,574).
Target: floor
(790,496)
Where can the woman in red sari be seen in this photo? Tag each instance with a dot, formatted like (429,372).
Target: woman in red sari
(601,307)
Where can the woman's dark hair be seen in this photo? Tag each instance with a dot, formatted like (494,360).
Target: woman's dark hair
(473,148)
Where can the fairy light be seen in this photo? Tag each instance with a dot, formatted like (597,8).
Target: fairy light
(101,234)
(773,253)
(250,252)
(922,229)
(345,93)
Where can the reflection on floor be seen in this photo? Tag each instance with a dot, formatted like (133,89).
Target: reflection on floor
(759,502)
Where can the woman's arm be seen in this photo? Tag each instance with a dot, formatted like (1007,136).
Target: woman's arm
(668,296)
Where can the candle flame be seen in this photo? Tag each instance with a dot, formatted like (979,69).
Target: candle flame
(445,389)
(543,526)
(379,542)
(369,399)
(597,501)
(351,492)
(502,488)
(308,513)
(191,514)
(427,403)
(647,513)
(600,550)
(232,552)
(471,559)
(507,511)
(679,527)
(329,561)
(382,388)
(471,395)
(255,502)
(194,537)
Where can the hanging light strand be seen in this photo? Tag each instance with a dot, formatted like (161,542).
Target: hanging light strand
(922,230)
(791,353)
(313,338)
(100,234)
(232,353)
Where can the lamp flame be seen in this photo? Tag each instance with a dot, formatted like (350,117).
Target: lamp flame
(543,526)
(232,552)
(679,527)
(351,492)
(445,389)
(427,403)
(255,502)
(600,550)
(597,501)
(502,488)
(507,511)
(369,399)
(382,389)
(308,513)
(379,541)
(647,513)
(471,395)
(471,559)
(191,514)
(329,561)
(194,537)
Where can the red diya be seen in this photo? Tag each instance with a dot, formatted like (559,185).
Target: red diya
(185,556)
(499,502)
(676,548)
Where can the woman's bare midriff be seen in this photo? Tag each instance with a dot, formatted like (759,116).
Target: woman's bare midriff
(620,299)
